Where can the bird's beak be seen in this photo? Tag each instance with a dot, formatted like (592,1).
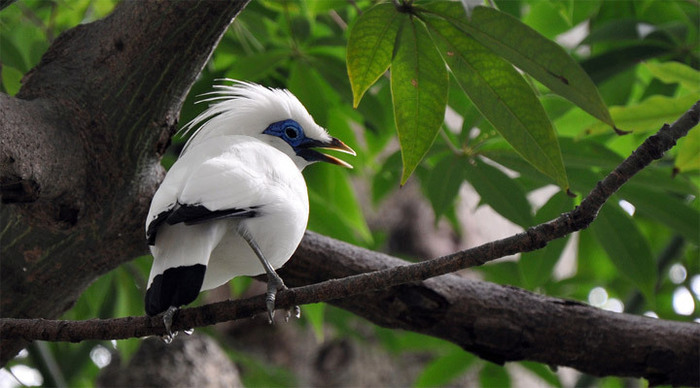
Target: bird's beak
(334,144)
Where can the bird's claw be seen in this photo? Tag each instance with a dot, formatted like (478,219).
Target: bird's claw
(168,322)
(275,284)
(288,314)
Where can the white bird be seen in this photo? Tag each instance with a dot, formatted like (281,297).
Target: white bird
(235,202)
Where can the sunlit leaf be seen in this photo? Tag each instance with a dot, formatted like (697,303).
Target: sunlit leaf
(689,152)
(370,47)
(675,72)
(649,115)
(11,78)
(502,96)
(531,52)
(626,247)
(419,93)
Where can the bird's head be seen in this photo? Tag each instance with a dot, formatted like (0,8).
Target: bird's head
(274,116)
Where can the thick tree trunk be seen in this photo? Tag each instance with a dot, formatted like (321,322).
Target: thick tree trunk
(81,145)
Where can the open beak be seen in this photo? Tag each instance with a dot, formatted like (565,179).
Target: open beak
(309,152)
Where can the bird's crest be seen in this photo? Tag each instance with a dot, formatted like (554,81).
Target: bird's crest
(245,108)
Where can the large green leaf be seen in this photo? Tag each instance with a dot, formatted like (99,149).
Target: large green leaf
(649,115)
(675,72)
(419,93)
(502,96)
(501,192)
(370,47)
(531,52)
(626,247)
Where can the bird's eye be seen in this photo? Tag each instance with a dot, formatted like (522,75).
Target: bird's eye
(291,132)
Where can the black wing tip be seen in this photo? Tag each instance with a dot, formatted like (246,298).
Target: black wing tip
(176,286)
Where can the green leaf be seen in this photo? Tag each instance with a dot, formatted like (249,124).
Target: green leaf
(314,313)
(384,181)
(335,210)
(503,97)
(444,182)
(649,115)
(689,149)
(311,89)
(531,52)
(542,371)
(610,63)
(618,30)
(675,72)
(665,208)
(419,93)
(501,192)
(444,369)
(586,153)
(11,79)
(255,67)
(493,375)
(370,47)
(626,247)
(536,267)
(10,54)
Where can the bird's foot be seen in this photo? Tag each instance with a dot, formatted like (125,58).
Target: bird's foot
(275,284)
(168,316)
(288,314)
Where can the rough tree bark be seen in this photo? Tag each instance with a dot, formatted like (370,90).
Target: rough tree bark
(79,154)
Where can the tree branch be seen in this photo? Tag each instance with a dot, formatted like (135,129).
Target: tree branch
(498,323)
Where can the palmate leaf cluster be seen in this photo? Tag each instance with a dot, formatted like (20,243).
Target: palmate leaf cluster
(532,116)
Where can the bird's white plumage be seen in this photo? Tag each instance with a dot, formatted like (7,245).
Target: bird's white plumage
(245,173)
(239,174)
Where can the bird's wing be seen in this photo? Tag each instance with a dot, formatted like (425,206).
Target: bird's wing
(233,183)
(197,214)
(217,180)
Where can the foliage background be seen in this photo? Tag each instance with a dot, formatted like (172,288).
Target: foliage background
(642,55)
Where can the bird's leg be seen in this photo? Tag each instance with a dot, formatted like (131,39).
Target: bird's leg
(274,281)
(168,322)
